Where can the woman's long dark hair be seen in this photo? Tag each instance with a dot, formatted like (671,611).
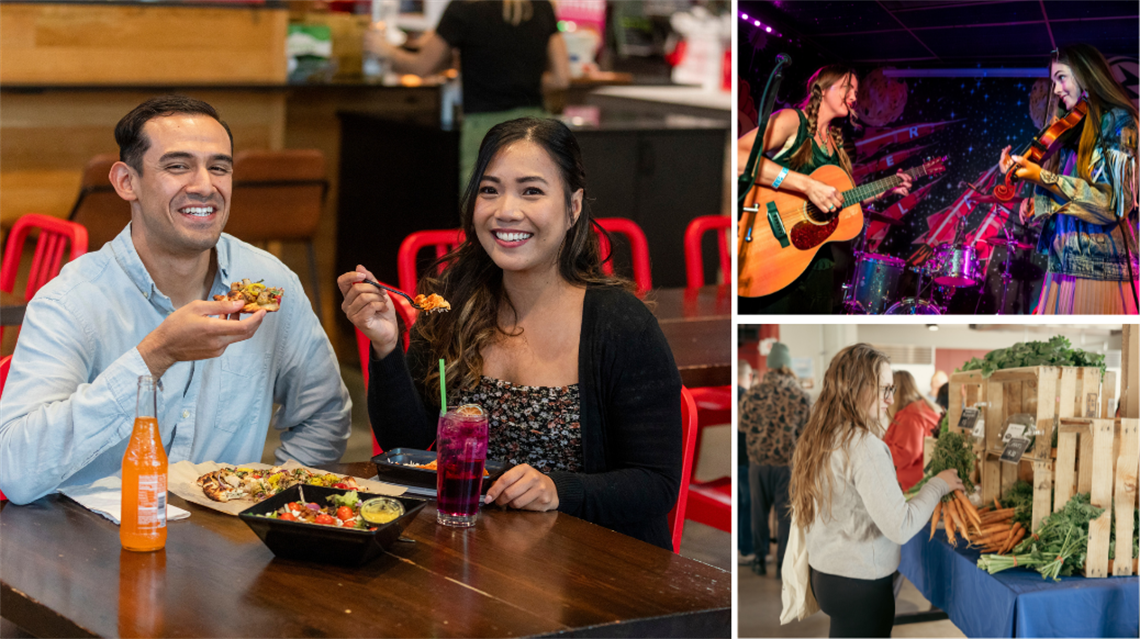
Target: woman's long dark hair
(471,280)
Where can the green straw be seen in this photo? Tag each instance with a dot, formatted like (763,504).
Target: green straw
(442,389)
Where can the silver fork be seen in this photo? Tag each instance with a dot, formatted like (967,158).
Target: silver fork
(404,295)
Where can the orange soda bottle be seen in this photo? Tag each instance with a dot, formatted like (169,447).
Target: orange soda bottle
(142,524)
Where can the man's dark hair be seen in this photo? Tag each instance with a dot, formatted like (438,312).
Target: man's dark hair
(133,143)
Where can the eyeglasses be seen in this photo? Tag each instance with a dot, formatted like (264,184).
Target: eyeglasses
(887,391)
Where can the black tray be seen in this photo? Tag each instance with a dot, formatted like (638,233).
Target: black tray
(391,466)
(325,544)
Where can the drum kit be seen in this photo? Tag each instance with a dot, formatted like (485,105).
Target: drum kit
(873,288)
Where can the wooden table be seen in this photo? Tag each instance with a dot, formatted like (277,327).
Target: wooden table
(12,309)
(697,322)
(62,573)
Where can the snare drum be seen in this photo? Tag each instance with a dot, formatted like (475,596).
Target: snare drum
(909,306)
(957,266)
(877,278)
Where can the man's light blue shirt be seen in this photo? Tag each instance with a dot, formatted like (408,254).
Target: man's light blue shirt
(70,400)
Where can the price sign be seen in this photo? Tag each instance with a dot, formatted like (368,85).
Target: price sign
(1014,449)
(969,421)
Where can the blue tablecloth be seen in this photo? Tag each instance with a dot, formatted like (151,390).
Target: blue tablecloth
(1018,602)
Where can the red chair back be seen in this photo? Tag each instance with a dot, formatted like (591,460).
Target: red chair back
(442,241)
(5,364)
(638,248)
(407,315)
(694,263)
(55,236)
(689,437)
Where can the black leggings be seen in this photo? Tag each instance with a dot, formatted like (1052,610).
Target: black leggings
(857,607)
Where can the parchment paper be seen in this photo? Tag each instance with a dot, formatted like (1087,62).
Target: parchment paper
(183,475)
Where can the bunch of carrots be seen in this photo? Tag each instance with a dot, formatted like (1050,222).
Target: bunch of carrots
(991,530)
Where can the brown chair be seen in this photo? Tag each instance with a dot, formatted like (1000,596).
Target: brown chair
(98,207)
(278,196)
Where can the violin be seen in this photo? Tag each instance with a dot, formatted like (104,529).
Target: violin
(1041,146)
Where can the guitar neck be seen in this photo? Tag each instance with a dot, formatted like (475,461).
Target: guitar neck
(871,189)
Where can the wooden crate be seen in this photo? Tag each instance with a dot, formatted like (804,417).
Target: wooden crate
(1072,391)
(1112,484)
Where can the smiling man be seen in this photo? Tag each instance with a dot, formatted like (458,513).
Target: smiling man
(143,305)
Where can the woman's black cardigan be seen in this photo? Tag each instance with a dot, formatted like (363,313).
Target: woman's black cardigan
(630,393)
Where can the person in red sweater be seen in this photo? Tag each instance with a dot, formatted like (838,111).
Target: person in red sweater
(912,419)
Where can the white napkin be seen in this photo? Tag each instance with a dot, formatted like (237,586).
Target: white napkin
(106,498)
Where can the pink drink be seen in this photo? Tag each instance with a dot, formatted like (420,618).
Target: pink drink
(461,449)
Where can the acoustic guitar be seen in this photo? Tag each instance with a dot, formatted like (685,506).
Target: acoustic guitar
(781,231)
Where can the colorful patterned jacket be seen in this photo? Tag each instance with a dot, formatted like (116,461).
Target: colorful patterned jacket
(772,416)
(1081,234)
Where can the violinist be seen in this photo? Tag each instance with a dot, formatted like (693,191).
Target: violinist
(801,140)
(1085,192)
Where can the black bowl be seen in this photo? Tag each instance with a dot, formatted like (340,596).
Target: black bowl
(391,466)
(325,544)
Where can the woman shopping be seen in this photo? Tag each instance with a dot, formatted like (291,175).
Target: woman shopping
(845,497)
(913,418)
(579,383)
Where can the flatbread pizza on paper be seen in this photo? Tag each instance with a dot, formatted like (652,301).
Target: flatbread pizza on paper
(184,476)
(255,484)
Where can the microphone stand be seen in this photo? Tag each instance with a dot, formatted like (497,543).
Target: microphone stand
(748,177)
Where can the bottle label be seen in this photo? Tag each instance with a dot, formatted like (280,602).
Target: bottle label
(152,502)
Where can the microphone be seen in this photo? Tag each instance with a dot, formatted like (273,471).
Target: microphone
(784,59)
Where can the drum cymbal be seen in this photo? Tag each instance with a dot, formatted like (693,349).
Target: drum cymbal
(1011,243)
(878,217)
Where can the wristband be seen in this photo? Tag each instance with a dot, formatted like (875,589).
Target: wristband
(780,178)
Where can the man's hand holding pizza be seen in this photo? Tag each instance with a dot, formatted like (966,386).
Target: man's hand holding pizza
(196,331)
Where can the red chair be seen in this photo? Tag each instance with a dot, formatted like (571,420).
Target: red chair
(638,248)
(710,502)
(54,236)
(407,315)
(5,364)
(694,264)
(677,516)
(442,241)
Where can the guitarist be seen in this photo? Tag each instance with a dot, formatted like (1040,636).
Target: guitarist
(1086,192)
(803,140)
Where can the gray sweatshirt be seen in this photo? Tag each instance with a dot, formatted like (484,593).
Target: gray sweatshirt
(870,519)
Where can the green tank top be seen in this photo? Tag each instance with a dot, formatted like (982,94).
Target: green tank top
(819,156)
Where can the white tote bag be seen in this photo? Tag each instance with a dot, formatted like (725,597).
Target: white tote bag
(798,599)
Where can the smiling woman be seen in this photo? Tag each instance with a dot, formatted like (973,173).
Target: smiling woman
(578,380)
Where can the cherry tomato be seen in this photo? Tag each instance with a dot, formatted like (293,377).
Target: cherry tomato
(287,517)
(344,513)
(340,485)
(293,505)
(325,519)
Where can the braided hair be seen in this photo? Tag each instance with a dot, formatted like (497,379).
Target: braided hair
(819,82)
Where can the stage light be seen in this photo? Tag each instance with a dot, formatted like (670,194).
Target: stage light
(744,15)
(756,22)
(768,29)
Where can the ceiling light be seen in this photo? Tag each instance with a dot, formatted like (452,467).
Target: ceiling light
(932,327)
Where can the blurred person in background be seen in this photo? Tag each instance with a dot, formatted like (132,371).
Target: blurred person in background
(937,381)
(772,416)
(509,52)
(912,417)
(745,551)
(853,516)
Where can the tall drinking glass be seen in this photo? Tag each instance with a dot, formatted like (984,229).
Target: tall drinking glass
(461,449)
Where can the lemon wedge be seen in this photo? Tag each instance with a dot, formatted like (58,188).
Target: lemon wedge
(469,409)
(381,510)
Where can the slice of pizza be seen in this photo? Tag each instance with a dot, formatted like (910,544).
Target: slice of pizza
(223,485)
(257,296)
(433,302)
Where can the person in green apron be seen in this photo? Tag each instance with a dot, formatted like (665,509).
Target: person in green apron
(801,140)
(509,50)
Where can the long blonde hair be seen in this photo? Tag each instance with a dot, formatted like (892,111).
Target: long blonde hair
(819,82)
(1103,92)
(906,393)
(850,382)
